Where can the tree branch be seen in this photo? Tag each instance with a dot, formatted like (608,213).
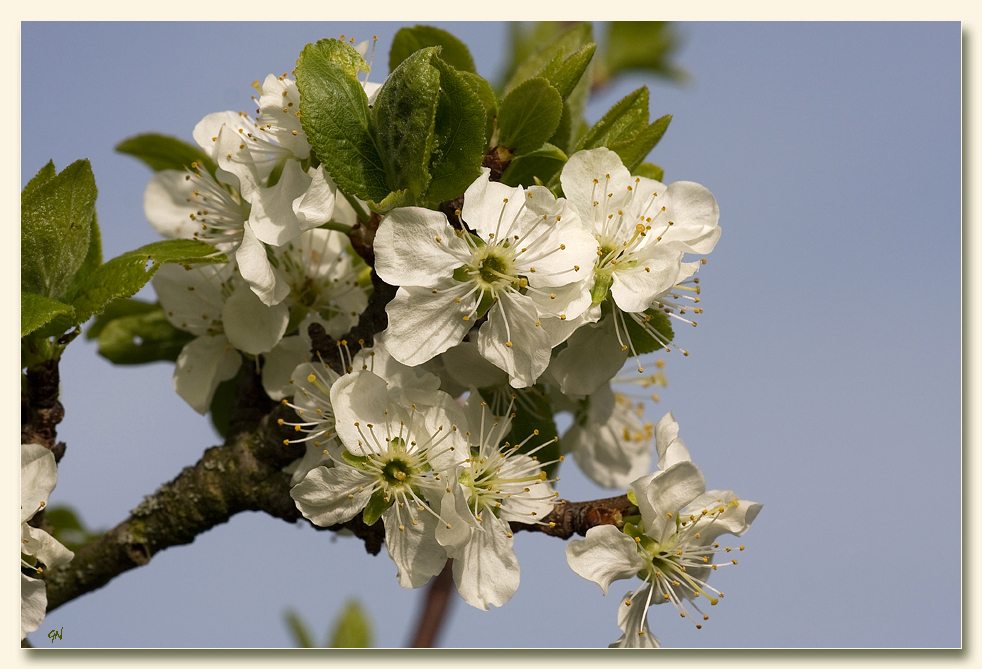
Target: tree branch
(243,475)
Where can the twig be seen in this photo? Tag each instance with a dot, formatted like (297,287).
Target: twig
(569,518)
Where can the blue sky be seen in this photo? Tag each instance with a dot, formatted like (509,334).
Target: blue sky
(823,379)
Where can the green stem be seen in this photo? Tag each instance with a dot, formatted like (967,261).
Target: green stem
(340,227)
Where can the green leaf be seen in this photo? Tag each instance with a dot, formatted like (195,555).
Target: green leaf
(460,136)
(564,75)
(299,630)
(37,310)
(542,163)
(625,120)
(56,222)
(352,629)
(124,275)
(529,116)
(649,171)
(634,150)
(533,411)
(548,151)
(405,114)
(642,45)
(335,115)
(161,152)
(410,40)
(375,507)
(644,342)
(568,42)
(572,124)
(93,259)
(490,101)
(44,175)
(132,332)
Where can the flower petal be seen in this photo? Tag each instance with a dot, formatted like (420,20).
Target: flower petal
(328,496)
(278,366)
(38,477)
(252,326)
(465,365)
(456,531)
(630,615)
(192,298)
(695,216)
(663,494)
(604,556)
(168,204)
(265,280)
(588,178)
(634,289)
(417,247)
(413,546)
(272,216)
(316,207)
(735,519)
(591,358)
(492,208)
(202,364)
(486,571)
(423,325)
(33,604)
(511,339)
(46,548)
(667,443)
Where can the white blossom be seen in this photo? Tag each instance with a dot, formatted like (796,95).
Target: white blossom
(263,193)
(397,441)
(523,243)
(495,484)
(642,229)
(672,545)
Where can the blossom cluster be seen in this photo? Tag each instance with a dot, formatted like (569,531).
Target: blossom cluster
(523,303)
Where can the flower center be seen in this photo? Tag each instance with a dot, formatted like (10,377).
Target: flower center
(678,566)
(397,471)
(492,268)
